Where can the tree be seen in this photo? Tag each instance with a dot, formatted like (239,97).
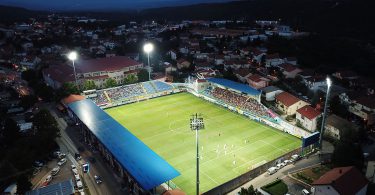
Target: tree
(338,108)
(130,79)
(70,88)
(29,75)
(11,132)
(88,85)
(347,154)
(44,91)
(23,184)
(28,101)
(110,83)
(142,75)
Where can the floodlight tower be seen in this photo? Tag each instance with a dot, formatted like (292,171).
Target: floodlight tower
(73,56)
(196,124)
(148,48)
(329,84)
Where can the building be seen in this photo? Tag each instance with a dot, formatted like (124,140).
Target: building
(308,117)
(182,63)
(256,81)
(289,70)
(364,108)
(62,188)
(98,70)
(288,103)
(315,82)
(273,60)
(270,92)
(341,180)
(336,126)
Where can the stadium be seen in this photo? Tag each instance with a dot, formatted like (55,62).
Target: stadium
(143,131)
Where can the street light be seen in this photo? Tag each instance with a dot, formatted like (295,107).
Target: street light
(329,83)
(73,56)
(148,47)
(196,124)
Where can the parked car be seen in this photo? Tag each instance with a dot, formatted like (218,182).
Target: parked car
(287,162)
(272,170)
(77,156)
(55,170)
(74,169)
(295,157)
(98,179)
(47,180)
(61,156)
(62,162)
(38,164)
(305,192)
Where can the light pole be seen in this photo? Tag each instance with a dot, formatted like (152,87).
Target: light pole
(196,124)
(329,83)
(148,47)
(73,56)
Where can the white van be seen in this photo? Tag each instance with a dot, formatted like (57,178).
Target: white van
(305,192)
(272,170)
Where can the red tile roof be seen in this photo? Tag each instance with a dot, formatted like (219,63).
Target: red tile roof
(104,64)
(255,78)
(309,112)
(345,180)
(287,67)
(62,73)
(71,98)
(287,99)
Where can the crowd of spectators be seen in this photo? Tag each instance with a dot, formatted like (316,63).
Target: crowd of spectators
(124,92)
(243,102)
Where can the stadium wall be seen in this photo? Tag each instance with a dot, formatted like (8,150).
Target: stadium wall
(248,176)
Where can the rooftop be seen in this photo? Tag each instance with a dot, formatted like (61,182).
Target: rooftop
(104,64)
(345,180)
(287,99)
(142,163)
(309,112)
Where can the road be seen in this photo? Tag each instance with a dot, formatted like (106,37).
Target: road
(69,143)
(283,173)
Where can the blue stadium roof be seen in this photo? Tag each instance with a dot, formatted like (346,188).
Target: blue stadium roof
(234,85)
(145,166)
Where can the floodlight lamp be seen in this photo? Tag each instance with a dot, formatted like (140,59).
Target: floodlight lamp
(329,82)
(72,55)
(148,47)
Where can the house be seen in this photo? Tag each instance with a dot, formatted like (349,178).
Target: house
(182,63)
(346,75)
(256,81)
(236,64)
(341,180)
(270,92)
(315,82)
(257,54)
(172,54)
(242,74)
(364,107)
(336,126)
(288,103)
(289,70)
(273,60)
(291,60)
(307,116)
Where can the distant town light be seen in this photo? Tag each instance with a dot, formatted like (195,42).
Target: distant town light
(148,47)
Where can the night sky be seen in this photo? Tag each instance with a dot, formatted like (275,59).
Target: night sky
(99,4)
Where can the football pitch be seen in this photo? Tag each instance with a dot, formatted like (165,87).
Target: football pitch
(230,144)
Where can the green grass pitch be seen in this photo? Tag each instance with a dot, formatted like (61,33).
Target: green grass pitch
(230,144)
